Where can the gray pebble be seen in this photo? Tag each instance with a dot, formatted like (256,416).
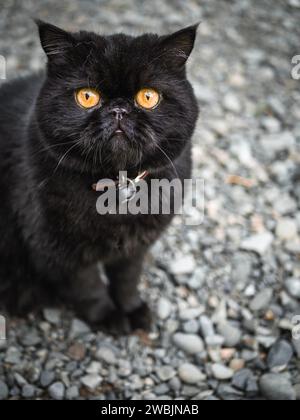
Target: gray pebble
(164,308)
(286,204)
(293,287)
(190,313)
(190,374)
(182,266)
(189,391)
(286,229)
(28,391)
(272,125)
(231,334)
(107,355)
(262,300)
(197,279)
(277,387)
(175,384)
(165,373)
(232,103)
(31,338)
(279,356)
(242,378)
(91,381)
(297,391)
(57,391)
(191,327)
(189,343)
(53,316)
(221,372)
(21,381)
(161,389)
(214,341)
(294,3)
(46,378)
(260,243)
(79,328)
(228,393)
(206,326)
(241,269)
(252,389)
(296,344)
(3,391)
(72,393)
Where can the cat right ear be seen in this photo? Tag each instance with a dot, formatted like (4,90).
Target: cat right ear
(55,41)
(178,47)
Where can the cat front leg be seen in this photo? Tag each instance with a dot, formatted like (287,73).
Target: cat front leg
(90,296)
(124,276)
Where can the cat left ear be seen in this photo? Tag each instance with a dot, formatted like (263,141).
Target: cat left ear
(180,45)
(55,41)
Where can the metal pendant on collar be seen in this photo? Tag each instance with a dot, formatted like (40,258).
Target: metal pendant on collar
(126,186)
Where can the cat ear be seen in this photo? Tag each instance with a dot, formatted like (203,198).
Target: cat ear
(180,45)
(55,41)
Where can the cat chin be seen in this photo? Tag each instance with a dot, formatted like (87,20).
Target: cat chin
(119,136)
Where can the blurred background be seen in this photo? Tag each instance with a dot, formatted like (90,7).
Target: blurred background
(226,294)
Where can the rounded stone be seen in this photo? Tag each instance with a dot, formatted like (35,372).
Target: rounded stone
(165,373)
(164,308)
(221,372)
(280,355)
(293,287)
(277,387)
(28,391)
(261,300)
(57,391)
(286,229)
(231,334)
(190,374)
(189,343)
(46,379)
(4,392)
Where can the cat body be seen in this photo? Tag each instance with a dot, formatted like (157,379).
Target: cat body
(53,150)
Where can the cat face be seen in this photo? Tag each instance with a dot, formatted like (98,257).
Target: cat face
(118,102)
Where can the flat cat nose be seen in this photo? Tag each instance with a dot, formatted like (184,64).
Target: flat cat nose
(119,112)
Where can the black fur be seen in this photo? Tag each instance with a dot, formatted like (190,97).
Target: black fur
(52,151)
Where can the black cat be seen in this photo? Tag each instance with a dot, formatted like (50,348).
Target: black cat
(105,104)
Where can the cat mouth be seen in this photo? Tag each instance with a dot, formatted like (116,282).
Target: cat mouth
(119,133)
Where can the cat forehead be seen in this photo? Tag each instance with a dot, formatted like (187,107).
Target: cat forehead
(124,48)
(122,59)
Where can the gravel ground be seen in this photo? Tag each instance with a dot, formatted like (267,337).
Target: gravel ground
(225,293)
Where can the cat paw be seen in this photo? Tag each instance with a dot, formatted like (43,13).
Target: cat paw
(104,316)
(95,312)
(141,318)
(120,323)
(116,323)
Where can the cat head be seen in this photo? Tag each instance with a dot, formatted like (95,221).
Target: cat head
(112,103)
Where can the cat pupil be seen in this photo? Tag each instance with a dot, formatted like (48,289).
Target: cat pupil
(87,96)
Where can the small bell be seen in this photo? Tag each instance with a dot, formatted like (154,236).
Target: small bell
(127,191)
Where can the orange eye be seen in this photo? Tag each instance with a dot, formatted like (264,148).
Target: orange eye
(147,98)
(87,98)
